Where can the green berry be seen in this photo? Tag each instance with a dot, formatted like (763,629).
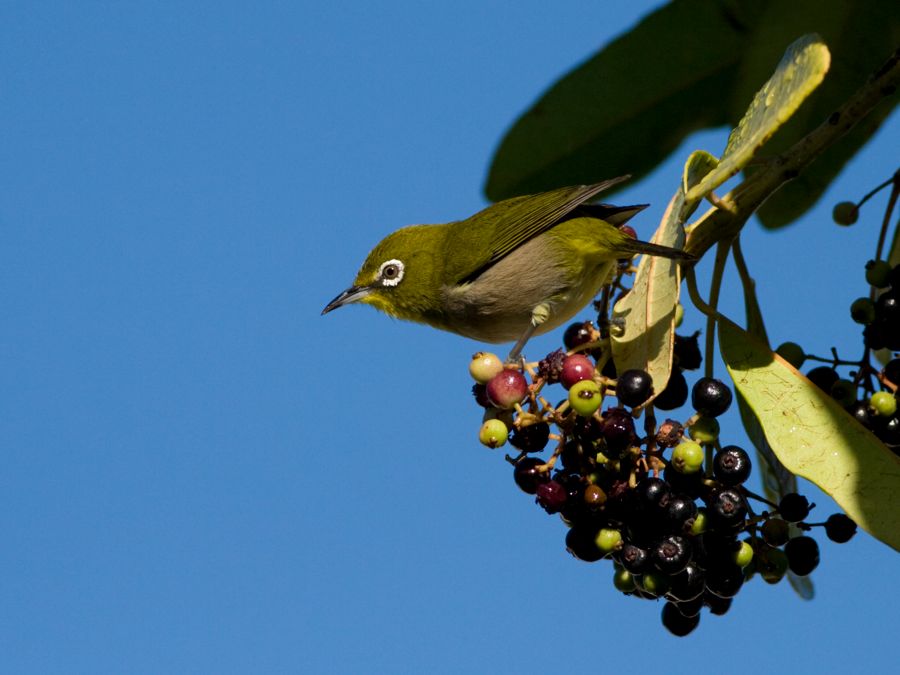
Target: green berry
(878,273)
(608,539)
(585,397)
(493,433)
(704,430)
(845,213)
(792,353)
(883,403)
(863,311)
(654,583)
(701,522)
(679,314)
(484,366)
(687,457)
(623,580)
(743,555)
(772,564)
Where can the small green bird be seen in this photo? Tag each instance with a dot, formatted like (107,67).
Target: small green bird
(520,267)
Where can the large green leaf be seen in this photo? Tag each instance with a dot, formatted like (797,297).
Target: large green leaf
(800,71)
(814,437)
(647,312)
(860,34)
(632,103)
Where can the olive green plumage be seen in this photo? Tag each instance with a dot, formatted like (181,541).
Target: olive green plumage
(521,266)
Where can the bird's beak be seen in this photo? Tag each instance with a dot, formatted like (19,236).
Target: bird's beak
(352,294)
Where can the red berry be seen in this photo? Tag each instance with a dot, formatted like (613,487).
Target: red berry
(507,388)
(575,368)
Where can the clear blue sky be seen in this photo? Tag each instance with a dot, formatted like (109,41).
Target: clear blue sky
(201,474)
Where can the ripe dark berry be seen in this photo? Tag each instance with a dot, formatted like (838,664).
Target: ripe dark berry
(802,554)
(823,377)
(776,532)
(680,513)
(634,558)
(578,334)
(653,493)
(687,352)
(617,429)
(532,438)
(479,391)
(727,509)
(594,496)
(580,543)
(724,580)
(731,465)
(634,387)
(576,368)
(717,605)
(527,476)
(687,584)
(793,507)
(892,371)
(675,394)
(672,554)
(507,388)
(860,412)
(862,310)
(710,397)
(878,273)
(894,279)
(844,392)
(839,528)
(888,430)
(552,496)
(689,608)
(677,623)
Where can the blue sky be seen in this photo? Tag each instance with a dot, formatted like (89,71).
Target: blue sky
(201,474)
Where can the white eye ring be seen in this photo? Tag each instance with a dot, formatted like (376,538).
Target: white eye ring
(391,272)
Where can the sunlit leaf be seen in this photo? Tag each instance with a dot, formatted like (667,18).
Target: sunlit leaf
(800,71)
(647,312)
(814,437)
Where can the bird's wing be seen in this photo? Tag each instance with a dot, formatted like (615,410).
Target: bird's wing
(515,221)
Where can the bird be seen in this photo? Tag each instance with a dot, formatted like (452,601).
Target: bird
(520,267)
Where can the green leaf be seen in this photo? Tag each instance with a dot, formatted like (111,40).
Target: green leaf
(814,437)
(647,312)
(844,25)
(631,104)
(800,71)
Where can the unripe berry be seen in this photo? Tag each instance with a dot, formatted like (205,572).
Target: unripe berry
(883,403)
(585,397)
(845,213)
(792,353)
(608,539)
(485,366)
(878,273)
(507,388)
(493,433)
(862,311)
(576,368)
(687,457)
(704,430)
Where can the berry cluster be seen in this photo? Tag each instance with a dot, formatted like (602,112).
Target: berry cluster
(666,504)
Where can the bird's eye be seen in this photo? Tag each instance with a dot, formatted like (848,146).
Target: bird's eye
(391,272)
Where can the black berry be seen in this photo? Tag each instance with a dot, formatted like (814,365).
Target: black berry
(675,394)
(687,352)
(527,476)
(710,397)
(793,507)
(802,554)
(839,528)
(731,465)
(672,554)
(532,438)
(677,623)
(633,387)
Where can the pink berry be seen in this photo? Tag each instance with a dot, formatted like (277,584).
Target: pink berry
(575,368)
(507,388)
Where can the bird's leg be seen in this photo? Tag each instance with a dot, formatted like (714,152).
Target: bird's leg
(538,316)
